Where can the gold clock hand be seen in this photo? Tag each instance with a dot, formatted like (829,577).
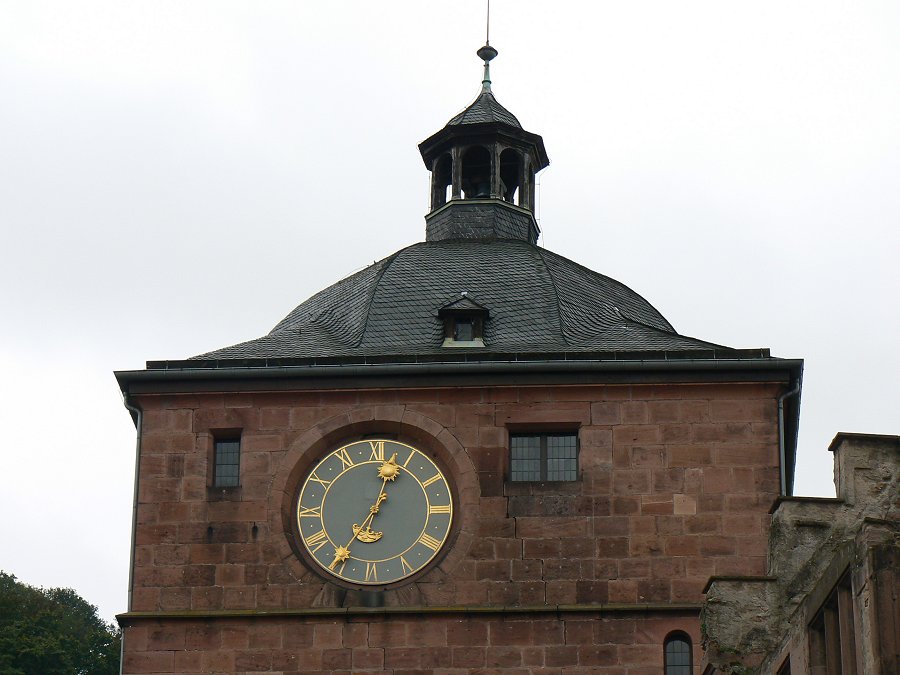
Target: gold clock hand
(388,471)
(342,553)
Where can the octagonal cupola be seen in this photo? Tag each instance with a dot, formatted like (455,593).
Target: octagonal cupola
(483,166)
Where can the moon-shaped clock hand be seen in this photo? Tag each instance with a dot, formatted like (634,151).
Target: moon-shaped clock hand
(388,471)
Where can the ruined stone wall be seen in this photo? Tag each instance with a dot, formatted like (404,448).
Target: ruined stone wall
(756,625)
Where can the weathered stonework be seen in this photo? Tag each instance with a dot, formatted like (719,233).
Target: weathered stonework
(675,485)
(454,642)
(753,625)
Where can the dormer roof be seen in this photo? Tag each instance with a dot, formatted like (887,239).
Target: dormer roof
(464,304)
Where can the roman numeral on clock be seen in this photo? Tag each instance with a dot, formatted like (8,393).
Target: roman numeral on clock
(371,572)
(377,450)
(344,456)
(323,483)
(317,540)
(430,542)
(436,477)
(310,512)
(444,508)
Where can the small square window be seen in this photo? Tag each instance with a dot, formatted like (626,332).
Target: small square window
(464,321)
(464,330)
(227,462)
(543,457)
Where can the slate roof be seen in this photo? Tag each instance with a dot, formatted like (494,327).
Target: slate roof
(539,302)
(485,109)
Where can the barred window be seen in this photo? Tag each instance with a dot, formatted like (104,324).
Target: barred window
(227,463)
(678,654)
(543,457)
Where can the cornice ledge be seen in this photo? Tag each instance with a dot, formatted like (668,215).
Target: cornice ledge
(128,618)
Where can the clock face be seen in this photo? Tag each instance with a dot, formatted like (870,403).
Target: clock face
(374,511)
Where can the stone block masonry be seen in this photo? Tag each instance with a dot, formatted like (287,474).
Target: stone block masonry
(610,641)
(675,485)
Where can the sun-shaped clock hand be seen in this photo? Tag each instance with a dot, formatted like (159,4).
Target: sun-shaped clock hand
(388,471)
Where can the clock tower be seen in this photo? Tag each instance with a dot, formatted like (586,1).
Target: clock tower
(472,455)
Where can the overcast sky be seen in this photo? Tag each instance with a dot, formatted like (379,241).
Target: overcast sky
(177,176)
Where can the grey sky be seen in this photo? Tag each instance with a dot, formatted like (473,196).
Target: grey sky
(177,176)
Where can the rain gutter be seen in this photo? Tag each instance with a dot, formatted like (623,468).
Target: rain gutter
(138,416)
(263,371)
(793,391)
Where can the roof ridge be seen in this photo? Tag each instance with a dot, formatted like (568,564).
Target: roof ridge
(540,252)
(621,286)
(374,289)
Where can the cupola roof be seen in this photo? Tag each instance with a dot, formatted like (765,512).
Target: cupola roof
(485,109)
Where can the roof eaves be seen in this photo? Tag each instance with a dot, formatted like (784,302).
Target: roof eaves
(720,355)
(700,343)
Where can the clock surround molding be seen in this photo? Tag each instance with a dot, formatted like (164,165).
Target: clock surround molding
(397,423)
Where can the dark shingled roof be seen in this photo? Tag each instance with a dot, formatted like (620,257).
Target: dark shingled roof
(539,302)
(485,109)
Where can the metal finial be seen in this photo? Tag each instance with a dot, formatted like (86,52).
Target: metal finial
(487,53)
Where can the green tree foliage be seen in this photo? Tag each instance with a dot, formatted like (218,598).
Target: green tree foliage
(53,632)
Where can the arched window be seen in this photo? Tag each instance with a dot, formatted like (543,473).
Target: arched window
(678,659)
(441,177)
(476,172)
(532,188)
(510,171)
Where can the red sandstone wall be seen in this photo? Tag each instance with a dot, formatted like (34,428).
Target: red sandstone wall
(452,644)
(676,485)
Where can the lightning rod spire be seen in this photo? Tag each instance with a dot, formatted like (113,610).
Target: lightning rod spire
(487,53)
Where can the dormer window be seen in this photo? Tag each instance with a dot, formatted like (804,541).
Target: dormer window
(463,320)
(463,329)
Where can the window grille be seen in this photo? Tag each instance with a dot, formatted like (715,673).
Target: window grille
(543,457)
(678,656)
(227,463)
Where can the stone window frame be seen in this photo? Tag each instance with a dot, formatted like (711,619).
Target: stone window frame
(832,634)
(678,636)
